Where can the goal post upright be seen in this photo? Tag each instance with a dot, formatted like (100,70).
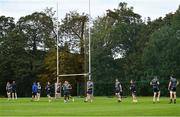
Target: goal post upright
(57,43)
(89,47)
(89,40)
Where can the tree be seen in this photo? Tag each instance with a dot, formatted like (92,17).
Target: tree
(37,28)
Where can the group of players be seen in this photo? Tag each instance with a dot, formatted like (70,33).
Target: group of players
(11,90)
(36,91)
(156,89)
(66,88)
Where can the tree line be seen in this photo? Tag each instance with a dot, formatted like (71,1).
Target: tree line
(124,46)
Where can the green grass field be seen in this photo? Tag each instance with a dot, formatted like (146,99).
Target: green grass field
(102,106)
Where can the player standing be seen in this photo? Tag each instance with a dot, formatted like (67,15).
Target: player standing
(34,91)
(155,84)
(38,91)
(89,94)
(118,90)
(172,88)
(14,93)
(8,90)
(133,90)
(48,91)
(57,90)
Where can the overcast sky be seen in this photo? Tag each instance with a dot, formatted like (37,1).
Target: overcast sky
(151,8)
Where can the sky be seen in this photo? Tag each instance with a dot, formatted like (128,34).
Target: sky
(146,8)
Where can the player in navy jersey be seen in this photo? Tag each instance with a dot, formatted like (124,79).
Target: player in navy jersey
(14,92)
(38,91)
(133,90)
(172,88)
(48,91)
(155,85)
(66,90)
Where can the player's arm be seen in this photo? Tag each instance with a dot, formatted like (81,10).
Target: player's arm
(177,83)
(120,88)
(151,83)
(6,87)
(169,85)
(70,87)
(158,82)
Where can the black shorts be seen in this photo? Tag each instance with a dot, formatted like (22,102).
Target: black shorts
(156,90)
(9,91)
(39,91)
(173,89)
(89,92)
(117,91)
(120,92)
(34,93)
(48,93)
(133,92)
(13,91)
(66,93)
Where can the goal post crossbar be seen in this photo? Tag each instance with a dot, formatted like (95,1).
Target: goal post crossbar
(84,74)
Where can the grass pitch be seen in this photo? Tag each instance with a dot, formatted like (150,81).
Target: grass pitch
(102,106)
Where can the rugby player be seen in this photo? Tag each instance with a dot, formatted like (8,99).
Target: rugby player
(172,88)
(118,90)
(155,84)
(89,92)
(133,90)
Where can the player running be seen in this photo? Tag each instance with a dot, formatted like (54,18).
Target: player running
(14,93)
(155,84)
(8,90)
(34,91)
(66,90)
(89,96)
(172,88)
(118,90)
(133,90)
(38,91)
(48,91)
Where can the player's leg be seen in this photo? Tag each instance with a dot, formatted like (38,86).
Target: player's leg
(32,97)
(65,97)
(49,98)
(171,96)
(154,97)
(119,97)
(90,93)
(134,97)
(71,97)
(87,97)
(9,95)
(158,95)
(38,96)
(15,95)
(174,93)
